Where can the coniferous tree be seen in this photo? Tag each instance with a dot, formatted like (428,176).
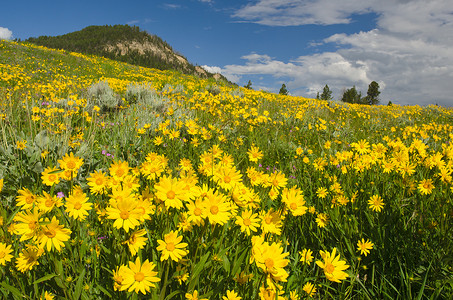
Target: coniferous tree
(326,93)
(352,96)
(372,96)
(283,90)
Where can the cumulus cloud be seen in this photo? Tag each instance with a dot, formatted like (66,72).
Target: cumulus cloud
(408,53)
(5,34)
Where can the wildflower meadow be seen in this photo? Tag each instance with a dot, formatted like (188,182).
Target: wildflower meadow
(124,182)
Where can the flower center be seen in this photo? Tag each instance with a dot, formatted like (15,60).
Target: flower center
(226,179)
(119,172)
(30,199)
(247,222)
(71,165)
(170,246)
(293,206)
(269,262)
(99,181)
(171,195)
(275,182)
(197,211)
(49,202)
(77,205)
(32,225)
(330,268)
(50,233)
(139,276)
(268,220)
(124,215)
(53,177)
(214,210)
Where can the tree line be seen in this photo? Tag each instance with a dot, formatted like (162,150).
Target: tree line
(353,96)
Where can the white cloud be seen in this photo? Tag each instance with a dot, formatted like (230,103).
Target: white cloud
(5,34)
(212,69)
(409,52)
(302,12)
(172,6)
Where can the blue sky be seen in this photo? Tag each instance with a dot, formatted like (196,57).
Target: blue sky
(404,45)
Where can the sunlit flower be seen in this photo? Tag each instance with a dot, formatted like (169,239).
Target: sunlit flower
(52,235)
(5,253)
(28,258)
(306,256)
(47,202)
(322,192)
(26,199)
(171,191)
(376,203)
(125,213)
(362,146)
(98,182)
(332,265)
(310,289)
(118,277)
(70,163)
(271,222)
(136,241)
(364,247)
(27,224)
(51,176)
(21,145)
(271,259)
(227,177)
(255,154)
(172,247)
(426,186)
(194,296)
(294,200)
(217,207)
(231,295)
(47,296)
(139,277)
(119,169)
(77,205)
(196,211)
(248,221)
(277,180)
(322,220)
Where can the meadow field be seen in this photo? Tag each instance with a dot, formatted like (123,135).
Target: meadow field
(124,182)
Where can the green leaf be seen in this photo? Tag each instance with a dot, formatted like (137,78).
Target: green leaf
(56,172)
(197,270)
(12,289)
(171,295)
(237,263)
(45,278)
(103,290)
(226,264)
(78,287)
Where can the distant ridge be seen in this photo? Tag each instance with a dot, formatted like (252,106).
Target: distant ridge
(127,44)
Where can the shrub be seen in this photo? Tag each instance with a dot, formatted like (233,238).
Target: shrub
(101,95)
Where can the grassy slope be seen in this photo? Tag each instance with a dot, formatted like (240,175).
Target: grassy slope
(408,246)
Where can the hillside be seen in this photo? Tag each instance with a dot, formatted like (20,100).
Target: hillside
(125,182)
(124,43)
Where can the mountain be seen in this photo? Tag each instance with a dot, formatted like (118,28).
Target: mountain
(127,44)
